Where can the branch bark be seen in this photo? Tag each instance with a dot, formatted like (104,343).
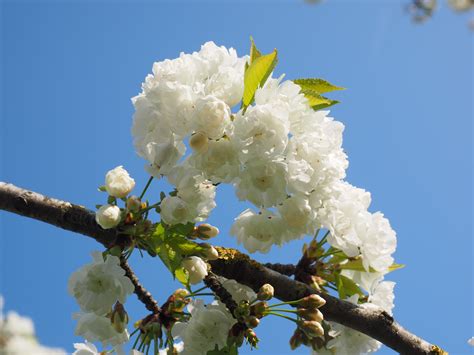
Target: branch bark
(232,264)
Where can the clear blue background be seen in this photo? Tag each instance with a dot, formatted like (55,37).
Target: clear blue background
(69,70)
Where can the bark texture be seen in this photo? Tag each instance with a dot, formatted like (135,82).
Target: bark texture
(232,264)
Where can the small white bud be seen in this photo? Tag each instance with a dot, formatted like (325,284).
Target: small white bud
(118,182)
(210,253)
(108,216)
(265,293)
(199,142)
(206,231)
(196,268)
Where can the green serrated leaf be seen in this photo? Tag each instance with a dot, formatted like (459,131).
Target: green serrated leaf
(170,258)
(317,101)
(184,246)
(102,188)
(257,74)
(319,85)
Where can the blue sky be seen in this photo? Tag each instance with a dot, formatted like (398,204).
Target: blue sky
(70,68)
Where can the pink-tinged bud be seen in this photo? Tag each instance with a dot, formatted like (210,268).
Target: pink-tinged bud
(311,328)
(252,322)
(251,337)
(265,293)
(311,314)
(311,301)
(199,142)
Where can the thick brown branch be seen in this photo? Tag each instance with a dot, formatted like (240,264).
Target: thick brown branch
(233,265)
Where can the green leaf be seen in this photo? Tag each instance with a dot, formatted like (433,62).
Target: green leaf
(102,188)
(346,287)
(182,276)
(357,265)
(350,286)
(319,85)
(254,52)
(182,229)
(317,101)
(256,74)
(340,286)
(394,267)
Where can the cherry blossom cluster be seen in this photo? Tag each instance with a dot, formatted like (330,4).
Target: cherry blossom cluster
(279,154)
(283,155)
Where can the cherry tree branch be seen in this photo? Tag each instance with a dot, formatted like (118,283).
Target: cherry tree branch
(232,264)
(143,295)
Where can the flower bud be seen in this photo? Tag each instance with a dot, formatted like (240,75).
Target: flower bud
(196,268)
(134,204)
(296,339)
(258,309)
(265,293)
(311,301)
(205,231)
(252,322)
(311,328)
(251,337)
(108,216)
(243,309)
(118,182)
(209,252)
(310,314)
(199,142)
(119,318)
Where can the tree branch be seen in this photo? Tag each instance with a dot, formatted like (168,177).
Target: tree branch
(143,295)
(232,264)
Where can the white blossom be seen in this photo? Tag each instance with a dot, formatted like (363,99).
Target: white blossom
(99,285)
(238,291)
(108,216)
(196,268)
(96,328)
(118,182)
(263,182)
(211,116)
(178,347)
(17,336)
(261,131)
(86,348)
(471,341)
(258,231)
(208,327)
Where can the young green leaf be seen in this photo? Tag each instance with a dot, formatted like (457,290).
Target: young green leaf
(319,85)
(317,101)
(256,74)
(254,52)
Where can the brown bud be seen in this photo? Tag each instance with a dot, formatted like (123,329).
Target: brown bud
(258,309)
(206,231)
(296,339)
(134,204)
(251,337)
(252,322)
